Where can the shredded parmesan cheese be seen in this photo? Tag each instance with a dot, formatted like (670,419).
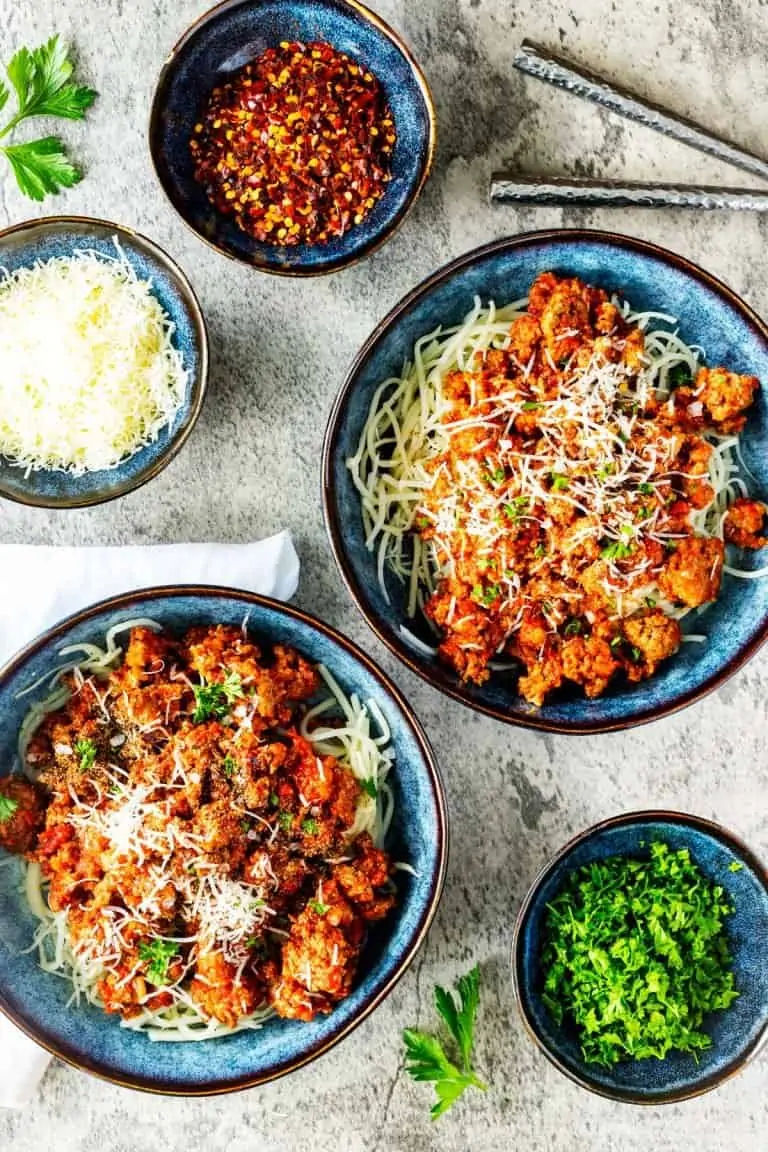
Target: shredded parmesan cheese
(89,371)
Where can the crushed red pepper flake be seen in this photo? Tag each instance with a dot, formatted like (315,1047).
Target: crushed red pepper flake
(297,145)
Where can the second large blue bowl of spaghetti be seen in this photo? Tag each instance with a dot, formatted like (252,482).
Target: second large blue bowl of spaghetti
(42,1004)
(705,313)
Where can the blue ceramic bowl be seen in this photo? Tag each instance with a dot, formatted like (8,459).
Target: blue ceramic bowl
(223,41)
(650,278)
(40,240)
(85,1036)
(737,1033)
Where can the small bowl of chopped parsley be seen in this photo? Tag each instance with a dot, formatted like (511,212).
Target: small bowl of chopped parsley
(640,957)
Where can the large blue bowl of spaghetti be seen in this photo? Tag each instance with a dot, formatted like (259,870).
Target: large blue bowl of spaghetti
(398,530)
(63,1014)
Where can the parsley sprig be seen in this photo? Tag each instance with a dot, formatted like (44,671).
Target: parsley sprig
(7,808)
(157,955)
(636,954)
(425,1057)
(41,81)
(213,701)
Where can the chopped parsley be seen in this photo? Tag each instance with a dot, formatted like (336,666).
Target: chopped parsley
(496,476)
(617,550)
(515,508)
(646,489)
(425,1056)
(157,955)
(559,482)
(573,627)
(735,866)
(636,954)
(369,785)
(318,907)
(229,766)
(605,471)
(679,376)
(285,820)
(7,808)
(274,800)
(309,826)
(650,601)
(532,405)
(213,701)
(86,751)
(539,551)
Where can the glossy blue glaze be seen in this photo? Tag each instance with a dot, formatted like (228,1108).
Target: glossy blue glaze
(224,41)
(86,1036)
(737,1032)
(649,278)
(45,239)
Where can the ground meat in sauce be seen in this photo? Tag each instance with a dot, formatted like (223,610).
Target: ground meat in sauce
(744,524)
(22,813)
(244,839)
(562,565)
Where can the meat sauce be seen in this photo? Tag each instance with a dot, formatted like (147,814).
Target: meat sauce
(193,836)
(560,512)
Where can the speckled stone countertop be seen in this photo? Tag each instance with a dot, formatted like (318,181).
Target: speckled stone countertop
(280,349)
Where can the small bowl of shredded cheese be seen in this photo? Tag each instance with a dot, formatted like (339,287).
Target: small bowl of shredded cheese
(104,361)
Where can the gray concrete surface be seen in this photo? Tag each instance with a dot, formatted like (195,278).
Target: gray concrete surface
(280,349)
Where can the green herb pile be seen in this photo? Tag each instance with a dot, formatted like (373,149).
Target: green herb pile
(636,954)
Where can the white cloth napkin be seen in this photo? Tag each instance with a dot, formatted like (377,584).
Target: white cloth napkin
(40,584)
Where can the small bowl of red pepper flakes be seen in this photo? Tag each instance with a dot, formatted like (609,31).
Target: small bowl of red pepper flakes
(298,153)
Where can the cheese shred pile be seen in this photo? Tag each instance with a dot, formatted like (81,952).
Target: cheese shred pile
(88,370)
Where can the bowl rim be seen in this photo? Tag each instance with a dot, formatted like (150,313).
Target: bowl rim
(437,677)
(377,996)
(625,819)
(198,385)
(389,229)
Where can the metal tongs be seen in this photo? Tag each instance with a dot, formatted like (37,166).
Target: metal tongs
(512,188)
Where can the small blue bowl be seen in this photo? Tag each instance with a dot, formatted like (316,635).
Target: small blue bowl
(737,1032)
(38,240)
(650,278)
(223,41)
(89,1039)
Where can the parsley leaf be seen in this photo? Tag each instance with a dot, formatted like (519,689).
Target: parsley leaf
(318,907)
(285,820)
(559,483)
(41,80)
(369,786)
(41,167)
(531,405)
(7,808)
(86,750)
(636,954)
(309,826)
(229,766)
(425,1057)
(157,955)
